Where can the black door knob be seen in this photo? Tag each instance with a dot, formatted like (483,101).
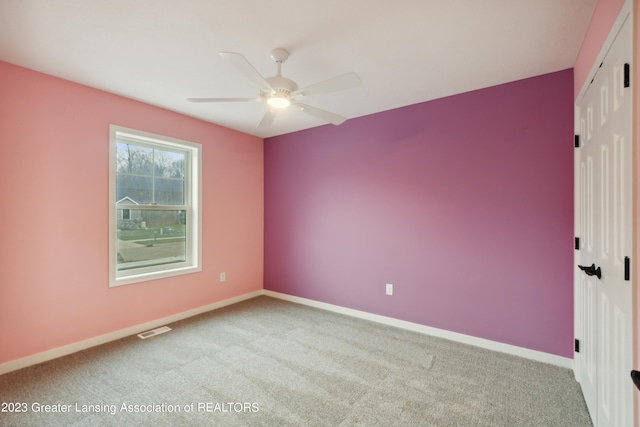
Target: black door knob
(591,270)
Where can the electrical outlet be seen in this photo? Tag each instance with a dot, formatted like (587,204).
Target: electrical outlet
(223,276)
(389,289)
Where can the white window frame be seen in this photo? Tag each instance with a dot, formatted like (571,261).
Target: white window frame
(193,202)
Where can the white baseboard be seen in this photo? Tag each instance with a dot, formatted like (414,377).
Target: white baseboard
(116,335)
(441,333)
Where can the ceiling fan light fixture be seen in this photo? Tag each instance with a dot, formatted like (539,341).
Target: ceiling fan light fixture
(278,102)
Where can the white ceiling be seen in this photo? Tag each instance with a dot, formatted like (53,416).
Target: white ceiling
(405,51)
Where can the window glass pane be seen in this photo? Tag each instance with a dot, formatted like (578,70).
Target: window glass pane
(150,238)
(169,164)
(134,159)
(134,189)
(169,191)
(152,186)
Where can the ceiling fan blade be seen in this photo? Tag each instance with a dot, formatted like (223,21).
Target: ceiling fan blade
(345,81)
(267,119)
(222,99)
(245,67)
(321,114)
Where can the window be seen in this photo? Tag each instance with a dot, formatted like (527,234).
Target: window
(154,192)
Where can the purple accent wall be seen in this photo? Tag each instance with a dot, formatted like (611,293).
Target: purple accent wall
(464,203)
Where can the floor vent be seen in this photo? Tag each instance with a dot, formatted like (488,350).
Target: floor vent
(153,332)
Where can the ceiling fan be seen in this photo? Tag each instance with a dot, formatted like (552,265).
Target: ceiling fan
(280,92)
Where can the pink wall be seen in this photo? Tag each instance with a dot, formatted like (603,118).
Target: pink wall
(602,20)
(54,151)
(465,204)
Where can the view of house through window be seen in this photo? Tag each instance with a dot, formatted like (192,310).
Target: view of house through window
(155,215)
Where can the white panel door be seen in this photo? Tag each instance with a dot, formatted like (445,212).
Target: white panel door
(603,290)
(586,286)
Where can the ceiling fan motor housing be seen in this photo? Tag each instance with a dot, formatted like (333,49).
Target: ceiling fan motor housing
(282,88)
(282,84)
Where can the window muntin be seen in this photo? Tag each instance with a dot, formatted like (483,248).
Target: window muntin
(155,199)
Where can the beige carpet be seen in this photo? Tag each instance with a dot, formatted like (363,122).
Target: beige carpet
(274,363)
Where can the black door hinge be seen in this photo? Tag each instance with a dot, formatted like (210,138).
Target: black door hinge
(577,243)
(627,268)
(576,345)
(627,75)
(576,141)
